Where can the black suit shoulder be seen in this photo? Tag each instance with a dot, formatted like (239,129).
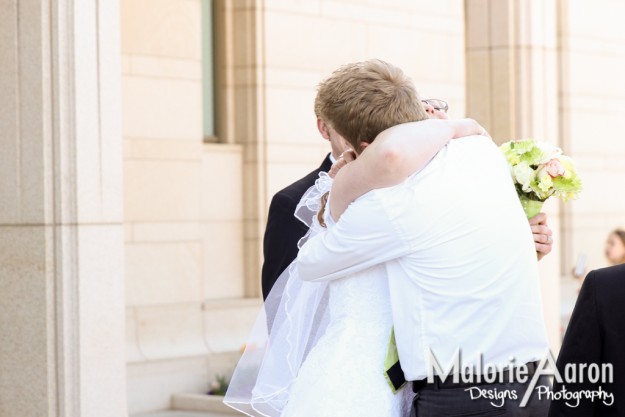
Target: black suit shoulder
(606,289)
(294,192)
(608,281)
(283,230)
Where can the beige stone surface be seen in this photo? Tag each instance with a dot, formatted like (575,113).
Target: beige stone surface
(295,78)
(284,123)
(478,22)
(502,22)
(179,413)
(370,13)
(151,385)
(9,106)
(289,162)
(163,67)
(222,183)
(591,110)
(62,279)
(598,196)
(9,162)
(169,28)
(303,155)
(479,105)
(327,44)
(244,40)
(133,350)
(161,149)
(502,97)
(101,332)
(595,132)
(25,281)
(297,6)
(202,402)
(162,190)
(228,324)
(164,232)
(223,256)
(594,22)
(168,331)
(163,272)
(169,108)
(151,381)
(183,199)
(283,174)
(584,64)
(21,130)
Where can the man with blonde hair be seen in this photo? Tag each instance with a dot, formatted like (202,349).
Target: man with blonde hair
(362,99)
(362,82)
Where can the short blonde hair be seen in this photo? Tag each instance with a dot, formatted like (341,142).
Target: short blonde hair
(362,99)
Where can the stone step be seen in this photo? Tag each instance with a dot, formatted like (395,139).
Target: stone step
(202,403)
(180,413)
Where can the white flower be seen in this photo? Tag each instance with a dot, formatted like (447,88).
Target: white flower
(549,152)
(524,175)
(544,182)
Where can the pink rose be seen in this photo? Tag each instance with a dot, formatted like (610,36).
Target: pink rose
(554,168)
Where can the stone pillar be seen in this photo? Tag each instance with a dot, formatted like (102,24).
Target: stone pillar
(241,93)
(61,238)
(513,90)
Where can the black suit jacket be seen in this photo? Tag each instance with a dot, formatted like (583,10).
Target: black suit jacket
(596,334)
(283,229)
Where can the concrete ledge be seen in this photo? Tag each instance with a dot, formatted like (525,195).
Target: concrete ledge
(201,402)
(178,413)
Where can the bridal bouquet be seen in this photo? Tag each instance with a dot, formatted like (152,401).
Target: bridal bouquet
(540,171)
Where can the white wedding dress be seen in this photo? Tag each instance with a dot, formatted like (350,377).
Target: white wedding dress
(324,356)
(343,373)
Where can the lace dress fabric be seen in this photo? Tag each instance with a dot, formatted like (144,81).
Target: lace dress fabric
(343,373)
(318,349)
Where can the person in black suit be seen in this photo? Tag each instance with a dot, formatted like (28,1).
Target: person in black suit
(283,230)
(596,334)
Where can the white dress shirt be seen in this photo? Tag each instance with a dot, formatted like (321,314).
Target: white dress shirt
(459,255)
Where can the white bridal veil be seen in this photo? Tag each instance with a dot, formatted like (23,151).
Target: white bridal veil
(290,323)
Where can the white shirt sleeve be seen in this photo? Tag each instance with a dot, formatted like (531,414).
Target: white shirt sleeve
(364,236)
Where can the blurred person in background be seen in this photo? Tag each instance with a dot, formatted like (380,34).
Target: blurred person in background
(614,253)
(615,247)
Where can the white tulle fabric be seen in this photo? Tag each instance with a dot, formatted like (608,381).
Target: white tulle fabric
(318,349)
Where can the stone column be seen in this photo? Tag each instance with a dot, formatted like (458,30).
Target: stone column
(241,93)
(61,238)
(513,90)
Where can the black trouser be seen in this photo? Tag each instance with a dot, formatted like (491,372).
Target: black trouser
(470,399)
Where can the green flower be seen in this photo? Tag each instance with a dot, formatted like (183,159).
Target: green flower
(532,162)
(544,181)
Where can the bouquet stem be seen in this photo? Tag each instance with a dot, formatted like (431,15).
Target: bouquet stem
(531,207)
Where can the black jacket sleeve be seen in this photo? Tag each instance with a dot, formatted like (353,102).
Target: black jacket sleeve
(583,344)
(280,242)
